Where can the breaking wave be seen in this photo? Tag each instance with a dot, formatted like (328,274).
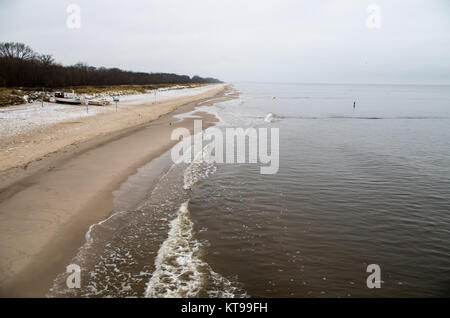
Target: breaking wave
(202,166)
(180,270)
(270,117)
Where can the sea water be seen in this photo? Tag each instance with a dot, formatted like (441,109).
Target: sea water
(359,185)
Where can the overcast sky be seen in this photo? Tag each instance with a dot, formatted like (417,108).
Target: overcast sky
(244,40)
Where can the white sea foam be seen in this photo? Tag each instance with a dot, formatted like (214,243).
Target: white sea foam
(179,269)
(270,117)
(177,272)
(88,235)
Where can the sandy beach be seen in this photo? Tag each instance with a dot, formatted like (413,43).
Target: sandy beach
(52,189)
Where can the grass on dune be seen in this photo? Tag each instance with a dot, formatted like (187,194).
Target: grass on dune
(17,96)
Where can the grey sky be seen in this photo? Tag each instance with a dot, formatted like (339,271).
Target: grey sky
(246,40)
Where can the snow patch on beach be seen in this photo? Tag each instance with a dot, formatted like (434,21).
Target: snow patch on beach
(21,119)
(164,94)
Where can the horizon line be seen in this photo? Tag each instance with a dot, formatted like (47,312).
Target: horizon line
(335,83)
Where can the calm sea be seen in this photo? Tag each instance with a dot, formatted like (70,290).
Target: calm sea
(356,186)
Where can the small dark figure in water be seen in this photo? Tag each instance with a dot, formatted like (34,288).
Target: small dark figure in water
(354,105)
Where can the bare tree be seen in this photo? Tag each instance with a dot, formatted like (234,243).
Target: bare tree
(16,50)
(46,59)
(21,66)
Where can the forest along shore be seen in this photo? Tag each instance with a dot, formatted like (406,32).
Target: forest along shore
(47,206)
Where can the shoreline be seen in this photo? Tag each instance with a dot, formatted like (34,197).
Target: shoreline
(46,210)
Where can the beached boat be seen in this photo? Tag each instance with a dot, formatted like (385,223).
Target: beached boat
(98,102)
(67,98)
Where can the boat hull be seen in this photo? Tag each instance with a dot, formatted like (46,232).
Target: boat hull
(68,101)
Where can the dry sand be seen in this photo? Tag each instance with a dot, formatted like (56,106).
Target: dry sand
(46,209)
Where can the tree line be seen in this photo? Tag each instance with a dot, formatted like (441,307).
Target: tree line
(20,66)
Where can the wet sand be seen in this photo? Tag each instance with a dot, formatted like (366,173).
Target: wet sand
(46,211)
